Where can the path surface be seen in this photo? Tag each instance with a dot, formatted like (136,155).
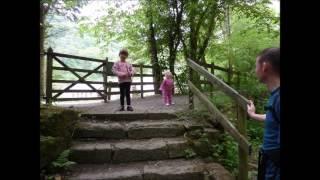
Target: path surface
(150,104)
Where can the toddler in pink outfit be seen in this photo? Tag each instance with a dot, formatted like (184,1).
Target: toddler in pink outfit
(124,71)
(166,88)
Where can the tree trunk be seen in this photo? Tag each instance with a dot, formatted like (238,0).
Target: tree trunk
(154,51)
(193,48)
(171,64)
(172,52)
(42,59)
(227,35)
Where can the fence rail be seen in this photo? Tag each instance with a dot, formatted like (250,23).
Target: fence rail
(103,68)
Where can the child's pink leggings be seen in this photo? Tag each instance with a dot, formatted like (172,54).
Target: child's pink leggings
(167,97)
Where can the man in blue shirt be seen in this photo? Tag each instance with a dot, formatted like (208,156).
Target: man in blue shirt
(268,72)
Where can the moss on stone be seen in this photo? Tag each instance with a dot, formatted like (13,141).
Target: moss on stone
(56,129)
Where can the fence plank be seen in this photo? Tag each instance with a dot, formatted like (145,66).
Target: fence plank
(77,57)
(78,99)
(191,103)
(76,90)
(75,69)
(109,91)
(111,84)
(49,77)
(144,66)
(105,79)
(211,85)
(243,156)
(141,80)
(73,81)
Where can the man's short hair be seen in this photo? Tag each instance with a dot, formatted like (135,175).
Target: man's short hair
(271,55)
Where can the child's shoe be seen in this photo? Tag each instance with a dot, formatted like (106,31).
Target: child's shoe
(121,108)
(129,108)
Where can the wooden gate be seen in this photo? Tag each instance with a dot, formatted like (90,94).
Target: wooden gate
(105,93)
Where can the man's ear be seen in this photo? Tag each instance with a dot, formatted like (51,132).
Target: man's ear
(265,66)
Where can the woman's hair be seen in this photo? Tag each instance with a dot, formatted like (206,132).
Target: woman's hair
(272,56)
(124,52)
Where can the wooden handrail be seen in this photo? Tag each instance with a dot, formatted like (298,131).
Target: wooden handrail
(239,134)
(223,120)
(242,101)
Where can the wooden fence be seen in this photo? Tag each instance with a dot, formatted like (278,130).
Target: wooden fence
(105,93)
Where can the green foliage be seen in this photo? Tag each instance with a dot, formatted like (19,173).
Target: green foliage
(189,153)
(62,162)
(226,152)
(253,27)
(243,45)
(50,147)
(222,149)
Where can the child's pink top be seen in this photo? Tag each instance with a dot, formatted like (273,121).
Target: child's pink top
(167,85)
(123,70)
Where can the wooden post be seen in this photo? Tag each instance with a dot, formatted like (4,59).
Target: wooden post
(229,76)
(105,81)
(191,105)
(109,91)
(243,156)
(238,81)
(49,76)
(161,78)
(141,80)
(156,71)
(211,85)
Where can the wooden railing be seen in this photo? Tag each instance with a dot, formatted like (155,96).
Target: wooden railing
(238,133)
(230,72)
(106,66)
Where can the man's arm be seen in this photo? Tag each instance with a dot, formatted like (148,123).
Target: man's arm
(252,112)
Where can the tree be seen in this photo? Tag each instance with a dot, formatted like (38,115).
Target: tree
(162,30)
(249,35)
(68,8)
(153,45)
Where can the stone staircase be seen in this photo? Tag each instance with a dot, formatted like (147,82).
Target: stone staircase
(137,147)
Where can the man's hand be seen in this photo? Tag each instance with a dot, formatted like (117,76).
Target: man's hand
(251,109)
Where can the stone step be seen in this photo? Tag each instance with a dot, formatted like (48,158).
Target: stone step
(130,130)
(177,169)
(113,151)
(128,117)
